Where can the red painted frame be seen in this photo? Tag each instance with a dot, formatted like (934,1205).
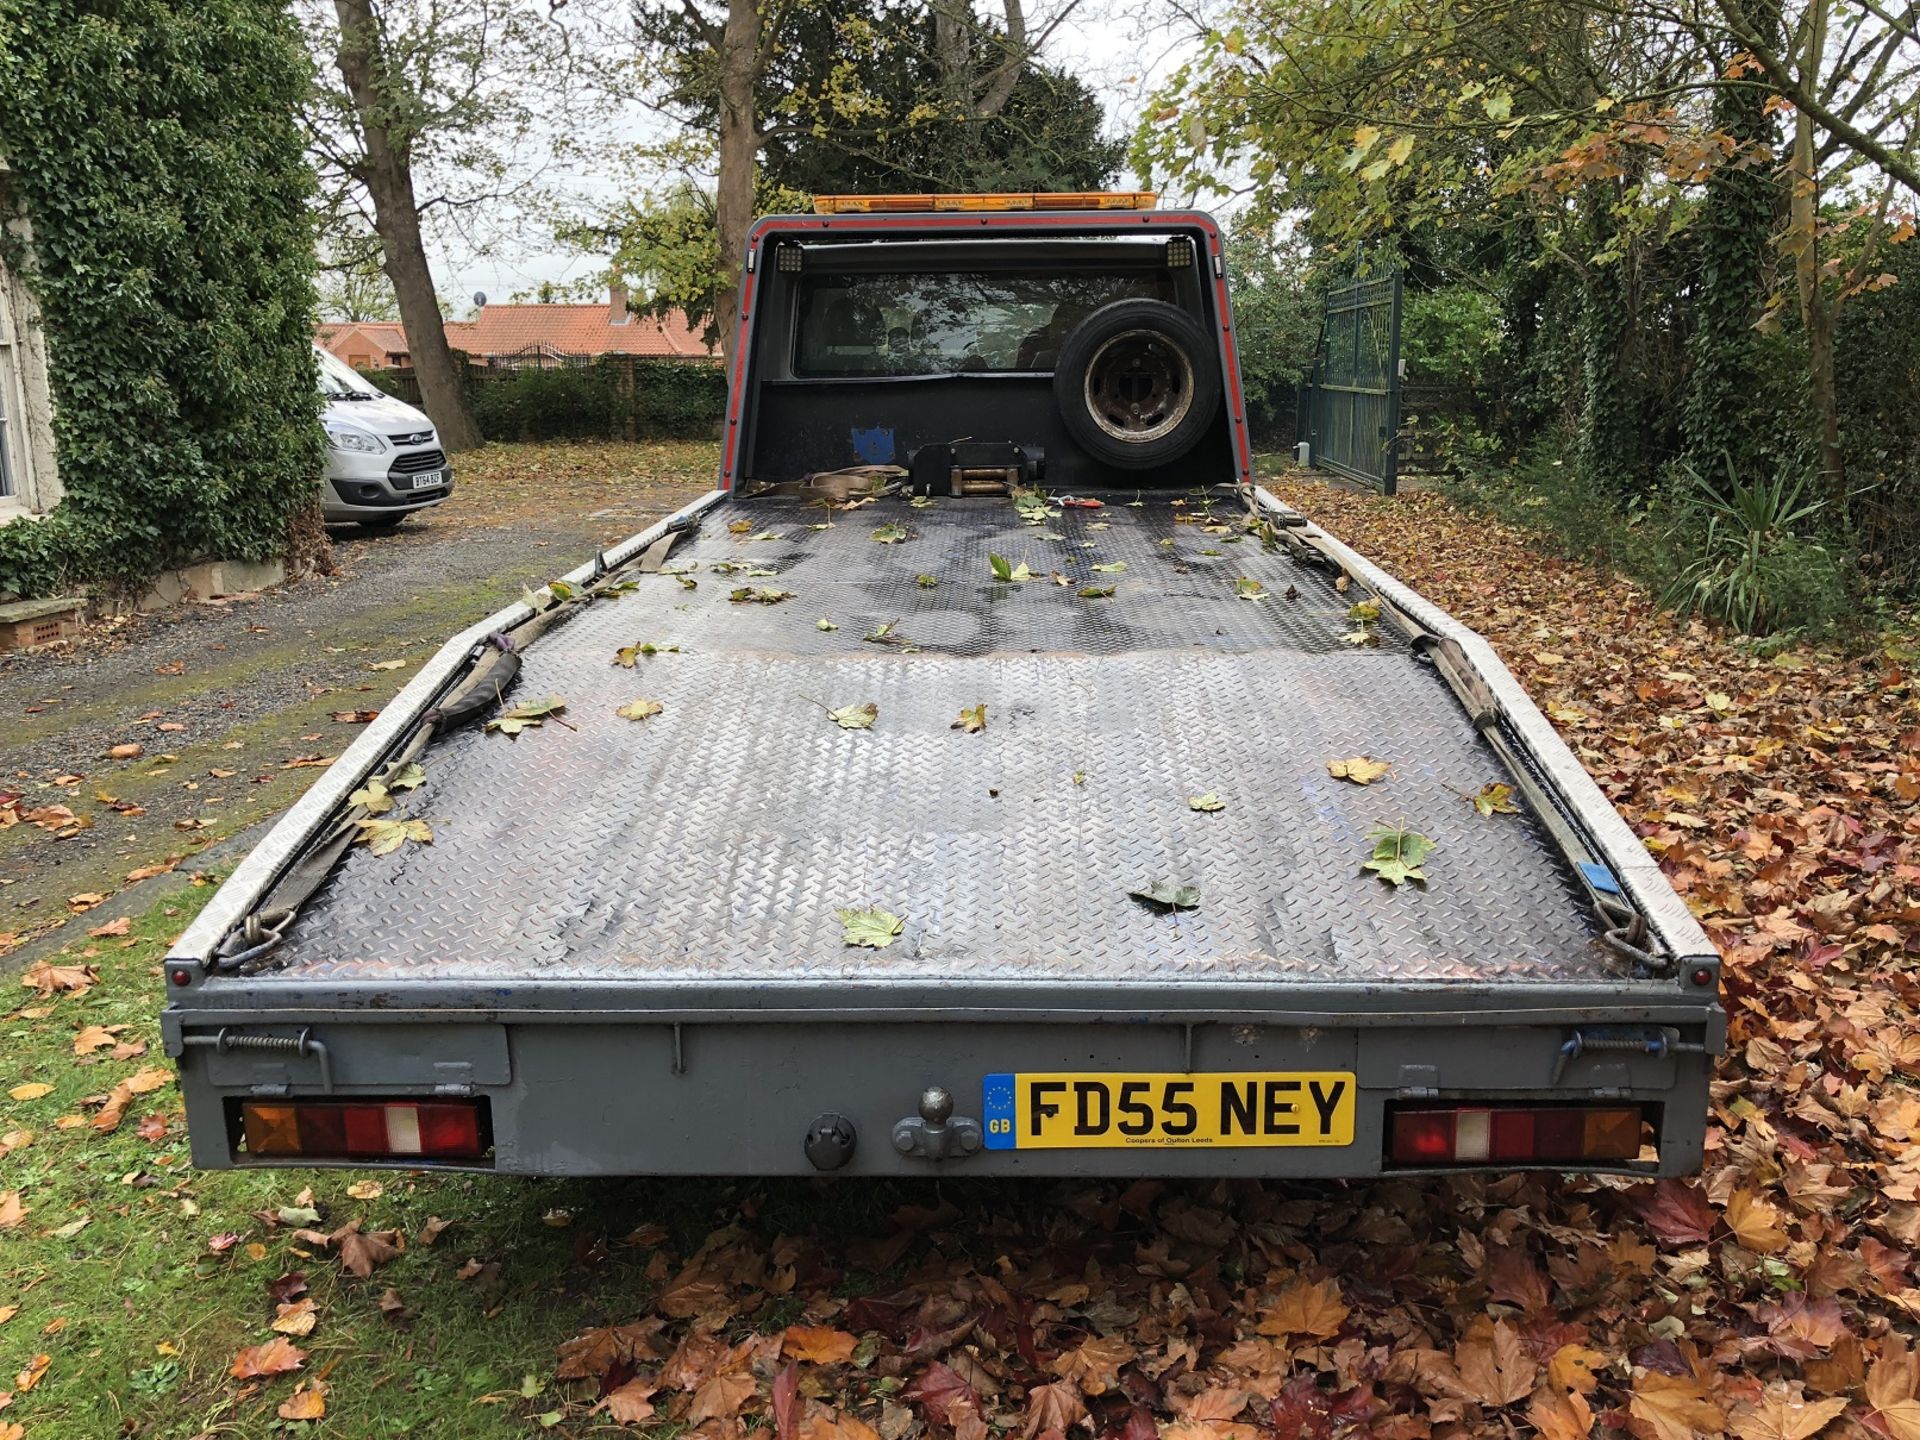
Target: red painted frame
(774,225)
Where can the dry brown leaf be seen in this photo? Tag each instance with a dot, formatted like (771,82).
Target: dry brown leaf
(720,1396)
(1783,1415)
(1057,1406)
(1360,769)
(1094,1365)
(1494,1363)
(1560,1414)
(1893,1389)
(31,1091)
(308,1402)
(1672,1407)
(362,1250)
(1573,1367)
(1310,1308)
(12,1212)
(1755,1223)
(107,1119)
(818,1344)
(631,1403)
(149,1080)
(297,1319)
(276,1357)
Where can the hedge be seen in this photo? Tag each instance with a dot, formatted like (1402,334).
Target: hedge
(156,157)
(613,397)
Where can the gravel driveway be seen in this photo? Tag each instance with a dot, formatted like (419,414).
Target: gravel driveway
(236,706)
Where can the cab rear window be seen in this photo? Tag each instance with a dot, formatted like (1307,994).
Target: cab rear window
(950,323)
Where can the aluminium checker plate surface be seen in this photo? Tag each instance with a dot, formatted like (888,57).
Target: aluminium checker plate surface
(718,839)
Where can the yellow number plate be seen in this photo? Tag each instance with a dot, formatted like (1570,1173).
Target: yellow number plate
(1065,1111)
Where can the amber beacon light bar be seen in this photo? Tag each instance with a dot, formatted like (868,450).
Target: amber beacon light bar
(1039,200)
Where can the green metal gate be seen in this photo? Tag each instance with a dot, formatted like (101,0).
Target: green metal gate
(1350,414)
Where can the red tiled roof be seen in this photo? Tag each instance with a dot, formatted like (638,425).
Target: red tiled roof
(577,330)
(357,337)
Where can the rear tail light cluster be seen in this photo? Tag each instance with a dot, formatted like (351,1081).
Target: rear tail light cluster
(365,1130)
(1509,1135)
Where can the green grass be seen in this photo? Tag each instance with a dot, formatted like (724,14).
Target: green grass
(145,1317)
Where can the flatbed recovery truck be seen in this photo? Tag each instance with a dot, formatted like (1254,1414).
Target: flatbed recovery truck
(627,946)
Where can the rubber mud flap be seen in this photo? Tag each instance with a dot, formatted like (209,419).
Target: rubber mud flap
(1137,384)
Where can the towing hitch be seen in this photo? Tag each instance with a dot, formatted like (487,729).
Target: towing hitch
(934,1134)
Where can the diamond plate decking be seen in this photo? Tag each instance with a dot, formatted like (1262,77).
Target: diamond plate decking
(716,840)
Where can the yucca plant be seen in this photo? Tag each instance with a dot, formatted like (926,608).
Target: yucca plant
(1750,561)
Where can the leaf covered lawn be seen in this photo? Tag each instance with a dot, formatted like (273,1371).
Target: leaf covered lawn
(1773,1298)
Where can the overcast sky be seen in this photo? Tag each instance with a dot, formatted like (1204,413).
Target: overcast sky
(1118,51)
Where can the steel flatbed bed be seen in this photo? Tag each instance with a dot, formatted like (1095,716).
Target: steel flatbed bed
(623,950)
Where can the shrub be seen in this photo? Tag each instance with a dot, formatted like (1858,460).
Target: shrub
(155,155)
(1751,566)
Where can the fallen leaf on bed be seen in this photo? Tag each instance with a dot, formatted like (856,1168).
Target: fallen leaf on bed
(759,595)
(528,715)
(926,582)
(855,717)
(973,719)
(1496,799)
(1360,769)
(1248,589)
(1118,567)
(639,709)
(891,533)
(1206,803)
(872,928)
(1096,592)
(383,837)
(824,624)
(1003,569)
(1169,894)
(1397,855)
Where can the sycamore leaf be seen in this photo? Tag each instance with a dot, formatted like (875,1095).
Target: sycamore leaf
(1496,799)
(1400,150)
(1309,1308)
(1560,1415)
(308,1402)
(1206,803)
(1116,568)
(1360,769)
(383,837)
(927,582)
(372,797)
(1004,569)
(973,719)
(891,534)
(817,1344)
(871,928)
(1673,1407)
(640,709)
(1397,855)
(276,1357)
(361,1250)
(1170,894)
(1755,1222)
(1494,1363)
(758,595)
(527,715)
(1249,589)
(1094,1364)
(1781,1414)
(824,624)
(855,717)
(1095,592)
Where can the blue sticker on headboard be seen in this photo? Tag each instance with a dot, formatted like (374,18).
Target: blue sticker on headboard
(875,446)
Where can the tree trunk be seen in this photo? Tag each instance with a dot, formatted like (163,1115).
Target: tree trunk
(1722,420)
(388,175)
(739,151)
(1803,225)
(953,55)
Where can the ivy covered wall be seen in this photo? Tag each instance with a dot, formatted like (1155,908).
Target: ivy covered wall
(155,155)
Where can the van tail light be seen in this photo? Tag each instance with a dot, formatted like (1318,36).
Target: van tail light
(371,1130)
(1512,1135)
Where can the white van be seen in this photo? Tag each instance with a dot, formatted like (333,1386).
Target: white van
(384,459)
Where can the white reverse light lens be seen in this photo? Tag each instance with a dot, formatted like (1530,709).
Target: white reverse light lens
(1472,1135)
(403,1130)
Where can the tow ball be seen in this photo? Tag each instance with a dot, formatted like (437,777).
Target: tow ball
(935,1134)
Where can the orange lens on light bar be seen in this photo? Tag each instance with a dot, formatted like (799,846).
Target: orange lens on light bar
(1035,200)
(369,1130)
(1456,1135)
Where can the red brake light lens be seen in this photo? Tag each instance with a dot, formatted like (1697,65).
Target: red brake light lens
(1456,1135)
(364,1130)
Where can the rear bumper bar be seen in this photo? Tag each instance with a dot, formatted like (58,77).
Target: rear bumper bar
(604,1093)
